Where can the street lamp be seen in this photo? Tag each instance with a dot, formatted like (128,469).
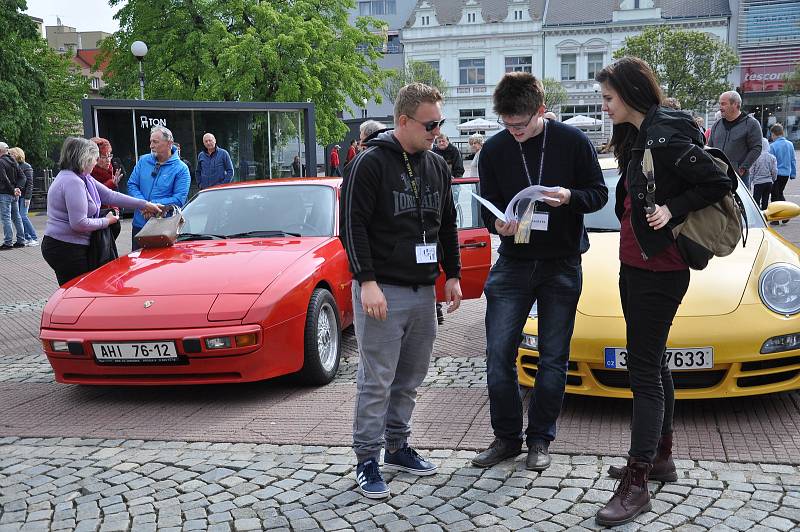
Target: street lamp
(139,50)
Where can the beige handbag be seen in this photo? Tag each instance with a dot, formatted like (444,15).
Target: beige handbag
(161,231)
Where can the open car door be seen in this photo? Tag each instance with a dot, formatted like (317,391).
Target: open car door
(473,240)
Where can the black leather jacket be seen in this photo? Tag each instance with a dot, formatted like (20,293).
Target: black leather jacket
(687,179)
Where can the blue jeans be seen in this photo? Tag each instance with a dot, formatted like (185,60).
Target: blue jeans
(511,290)
(9,212)
(30,232)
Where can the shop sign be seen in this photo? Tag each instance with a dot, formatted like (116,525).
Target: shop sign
(765,78)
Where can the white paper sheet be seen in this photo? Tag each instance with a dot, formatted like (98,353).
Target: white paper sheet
(489,205)
(533,193)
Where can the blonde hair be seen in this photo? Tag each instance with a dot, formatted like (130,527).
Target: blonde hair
(476,138)
(411,96)
(18,154)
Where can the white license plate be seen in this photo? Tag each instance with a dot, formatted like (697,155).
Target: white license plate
(135,352)
(678,359)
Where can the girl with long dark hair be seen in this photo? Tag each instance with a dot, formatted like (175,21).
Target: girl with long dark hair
(653,275)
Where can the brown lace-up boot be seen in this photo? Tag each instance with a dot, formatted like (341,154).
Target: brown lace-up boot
(631,497)
(663,466)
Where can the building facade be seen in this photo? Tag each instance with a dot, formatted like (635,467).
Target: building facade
(83,49)
(768,39)
(474,42)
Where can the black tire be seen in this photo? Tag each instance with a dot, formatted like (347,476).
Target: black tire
(323,339)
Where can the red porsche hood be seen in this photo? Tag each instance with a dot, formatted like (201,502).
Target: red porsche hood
(196,268)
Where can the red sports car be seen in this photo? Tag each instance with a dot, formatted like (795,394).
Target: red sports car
(257,286)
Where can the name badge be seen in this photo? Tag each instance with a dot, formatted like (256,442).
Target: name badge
(426,253)
(539,221)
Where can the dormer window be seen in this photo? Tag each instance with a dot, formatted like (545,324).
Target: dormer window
(518,14)
(471,17)
(426,20)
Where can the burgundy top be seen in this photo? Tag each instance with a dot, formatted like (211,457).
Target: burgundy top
(630,253)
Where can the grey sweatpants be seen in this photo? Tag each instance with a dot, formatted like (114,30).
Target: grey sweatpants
(394,359)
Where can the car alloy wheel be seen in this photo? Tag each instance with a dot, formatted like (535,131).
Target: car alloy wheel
(323,339)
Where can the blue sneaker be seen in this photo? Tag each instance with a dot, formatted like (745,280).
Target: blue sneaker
(408,460)
(370,481)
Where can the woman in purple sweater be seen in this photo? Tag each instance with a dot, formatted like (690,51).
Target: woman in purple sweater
(73,204)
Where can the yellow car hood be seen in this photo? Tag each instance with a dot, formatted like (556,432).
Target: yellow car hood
(714,291)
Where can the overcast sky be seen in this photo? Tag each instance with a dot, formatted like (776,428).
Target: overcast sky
(85,15)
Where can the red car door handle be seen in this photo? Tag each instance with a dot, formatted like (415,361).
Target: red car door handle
(473,245)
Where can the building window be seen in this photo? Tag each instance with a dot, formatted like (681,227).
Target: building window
(594,64)
(569,64)
(377,7)
(434,65)
(592,111)
(426,20)
(94,83)
(465,115)
(471,71)
(393,45)
(518,15)
(519,64)
(471,17)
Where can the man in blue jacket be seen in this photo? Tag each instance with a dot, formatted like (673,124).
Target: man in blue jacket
(159,177)
(783,150)
(214,165)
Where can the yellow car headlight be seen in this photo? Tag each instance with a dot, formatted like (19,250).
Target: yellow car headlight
(776,344)
(779,288)
(529,341)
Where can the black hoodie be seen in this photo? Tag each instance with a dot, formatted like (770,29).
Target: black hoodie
(379,219)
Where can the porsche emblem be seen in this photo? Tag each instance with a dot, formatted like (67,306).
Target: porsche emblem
(148,303)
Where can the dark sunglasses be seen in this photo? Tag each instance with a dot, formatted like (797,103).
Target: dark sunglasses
(155,170)
(430,126)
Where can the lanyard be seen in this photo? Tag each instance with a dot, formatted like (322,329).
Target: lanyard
(417,195)
(541,158)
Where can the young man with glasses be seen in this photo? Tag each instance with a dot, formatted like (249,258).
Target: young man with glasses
(540,260)
(398,223)
(158,177)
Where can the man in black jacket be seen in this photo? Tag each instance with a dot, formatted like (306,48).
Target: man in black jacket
(450,154)
(396,210)
(541,264)
(12,180)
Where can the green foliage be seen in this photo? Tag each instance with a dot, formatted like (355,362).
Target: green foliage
(691,65)
(39,94)
(414,71)
(248,50)
(792,85)
(554,93)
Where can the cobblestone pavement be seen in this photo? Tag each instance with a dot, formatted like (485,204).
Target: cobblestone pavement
(273,455)
(91,484)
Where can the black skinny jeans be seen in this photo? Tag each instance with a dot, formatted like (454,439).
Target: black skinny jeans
(68,260)
(778,188)
(761,194)
(650,301)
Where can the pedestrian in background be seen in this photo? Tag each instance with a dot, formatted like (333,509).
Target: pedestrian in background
(450,154)
(367,131)
(12,181)
(351,151)
(542,265)
(105,173)
(24,200)
(763,174)
(736,134)
(214,164)
(335,171)
(475,144)
(158,177)
(297,167)
(783,150)
(73,204)
(396,208)
(653,276)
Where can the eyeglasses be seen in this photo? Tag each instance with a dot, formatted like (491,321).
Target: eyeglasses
(516,127)
(430,126)
(109,156)
(155,170)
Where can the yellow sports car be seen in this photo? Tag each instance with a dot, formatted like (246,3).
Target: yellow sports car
(737,331)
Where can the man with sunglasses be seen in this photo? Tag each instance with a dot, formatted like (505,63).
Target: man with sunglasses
(398,223)
(158,177)
(539,261)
